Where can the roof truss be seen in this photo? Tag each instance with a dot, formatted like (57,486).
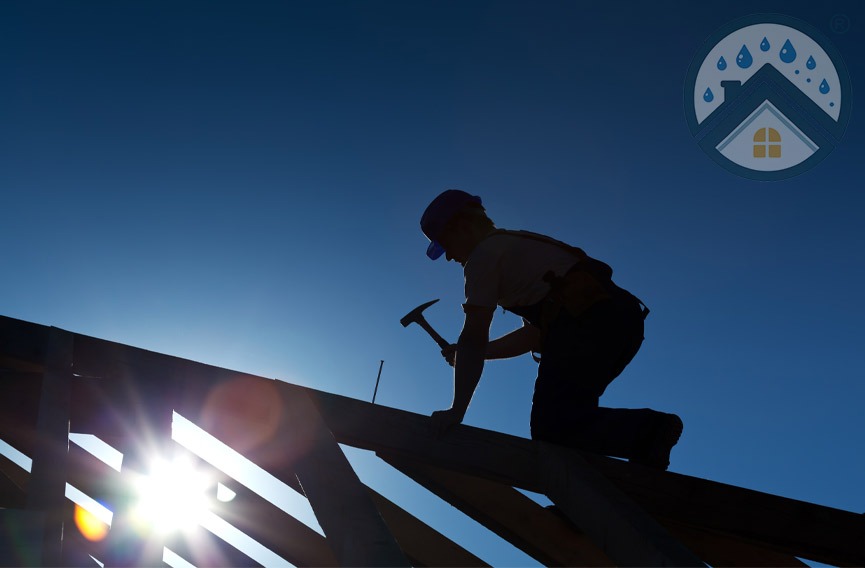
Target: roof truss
(607,511)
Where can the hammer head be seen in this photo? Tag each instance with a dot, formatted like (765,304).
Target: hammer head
(415,315)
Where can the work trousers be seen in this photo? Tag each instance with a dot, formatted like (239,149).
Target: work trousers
(581,356)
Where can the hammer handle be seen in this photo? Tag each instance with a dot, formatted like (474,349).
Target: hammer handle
(433,333)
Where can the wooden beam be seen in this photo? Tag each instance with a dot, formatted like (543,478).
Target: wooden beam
(92,476)
(539,532)
(720,550)
(354,527)
(201,547)
(423,545)
(490,455)
(13,494)
(77,550)
(134,398)
(551,540)
(47,487)
(285,436)
(628,535)
(275,529)
(8,363)
(20,395)
(786,525)
(74,544)
(258,518)
(793,527)
(22,343)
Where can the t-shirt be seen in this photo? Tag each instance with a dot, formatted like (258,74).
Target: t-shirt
(508,270)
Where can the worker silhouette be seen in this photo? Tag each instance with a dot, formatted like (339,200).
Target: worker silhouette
(585,327)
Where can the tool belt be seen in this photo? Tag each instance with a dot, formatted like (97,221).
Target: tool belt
(574,294)
(588,283)
(583,286)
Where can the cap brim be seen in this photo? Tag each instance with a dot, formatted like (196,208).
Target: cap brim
(434,250)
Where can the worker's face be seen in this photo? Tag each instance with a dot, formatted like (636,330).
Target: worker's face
(456,242)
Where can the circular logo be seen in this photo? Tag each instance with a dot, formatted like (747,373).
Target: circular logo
(767,97)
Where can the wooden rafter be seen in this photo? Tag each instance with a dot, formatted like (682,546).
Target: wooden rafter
(537,531)
(423,545)
(623,530)
(13,484)
(785,525)
(721,550)
(722,523)
(355,530)
(47,487)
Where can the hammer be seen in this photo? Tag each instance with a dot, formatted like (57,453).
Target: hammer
(416,316)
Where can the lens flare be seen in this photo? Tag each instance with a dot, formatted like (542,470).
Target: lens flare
(88,525)
(244,413)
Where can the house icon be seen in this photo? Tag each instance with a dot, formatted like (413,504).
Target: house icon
(768,128)
(767,140)
(767,97)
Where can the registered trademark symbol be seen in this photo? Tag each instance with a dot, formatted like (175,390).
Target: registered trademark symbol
(840,23)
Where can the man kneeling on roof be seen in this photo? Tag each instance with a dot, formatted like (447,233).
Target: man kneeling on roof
(586,328)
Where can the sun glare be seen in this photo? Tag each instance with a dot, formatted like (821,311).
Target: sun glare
(173,496)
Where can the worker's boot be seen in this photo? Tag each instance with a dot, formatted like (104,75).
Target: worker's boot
(654,448)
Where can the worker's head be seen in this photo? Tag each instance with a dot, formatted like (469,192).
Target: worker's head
(454,223)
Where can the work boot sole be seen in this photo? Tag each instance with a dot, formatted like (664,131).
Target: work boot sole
(656,452)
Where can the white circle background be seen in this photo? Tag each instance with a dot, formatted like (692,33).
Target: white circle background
(710,77)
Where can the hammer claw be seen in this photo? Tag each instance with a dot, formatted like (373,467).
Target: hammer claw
(416,316)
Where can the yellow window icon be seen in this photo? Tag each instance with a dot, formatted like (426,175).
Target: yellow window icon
(767,142)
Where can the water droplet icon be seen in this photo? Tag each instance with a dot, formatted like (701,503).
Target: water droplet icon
(708,96)
(810,64)
(722,63)
(764,45)
(744,59)
(788,54)
(824,87)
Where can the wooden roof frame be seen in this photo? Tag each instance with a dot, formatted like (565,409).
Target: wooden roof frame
(609,512)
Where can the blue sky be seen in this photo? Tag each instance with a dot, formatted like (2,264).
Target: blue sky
(241,183)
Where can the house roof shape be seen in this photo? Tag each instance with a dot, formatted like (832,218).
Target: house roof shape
(739,145)
(740,103)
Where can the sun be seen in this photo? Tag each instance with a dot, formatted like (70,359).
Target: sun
(173,496)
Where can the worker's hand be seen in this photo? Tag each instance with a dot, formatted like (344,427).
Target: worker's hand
(450,353)
(444,420)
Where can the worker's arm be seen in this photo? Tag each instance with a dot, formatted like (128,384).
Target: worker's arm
(518,342)
(468,366)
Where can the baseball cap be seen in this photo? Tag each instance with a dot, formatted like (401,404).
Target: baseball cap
(439,212)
